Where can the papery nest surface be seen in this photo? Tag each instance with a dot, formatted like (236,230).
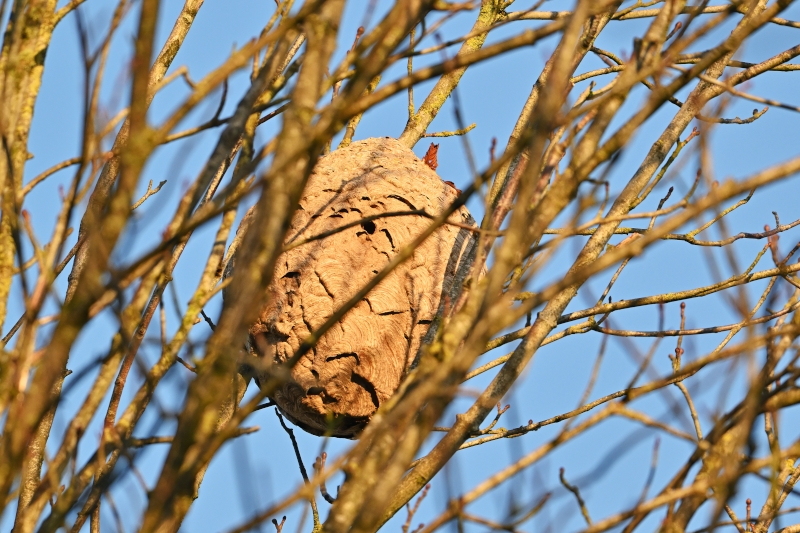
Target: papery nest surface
(360,362)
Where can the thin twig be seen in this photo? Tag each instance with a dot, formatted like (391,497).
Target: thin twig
(319,467)
(303,472)
(148,193)
(462,131)
(574,490)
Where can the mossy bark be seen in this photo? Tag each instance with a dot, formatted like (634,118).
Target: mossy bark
(25,43)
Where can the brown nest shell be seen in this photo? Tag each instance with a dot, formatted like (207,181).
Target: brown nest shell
(360,362)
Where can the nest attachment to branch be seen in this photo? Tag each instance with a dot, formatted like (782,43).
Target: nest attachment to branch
(360,362)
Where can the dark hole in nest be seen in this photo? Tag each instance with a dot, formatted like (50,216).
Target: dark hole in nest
(369,226)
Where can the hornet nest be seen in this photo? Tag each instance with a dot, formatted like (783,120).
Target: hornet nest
(360,362)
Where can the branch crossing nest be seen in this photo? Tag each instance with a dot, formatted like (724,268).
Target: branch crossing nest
(359,363)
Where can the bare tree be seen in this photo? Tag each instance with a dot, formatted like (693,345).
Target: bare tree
(359,292)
